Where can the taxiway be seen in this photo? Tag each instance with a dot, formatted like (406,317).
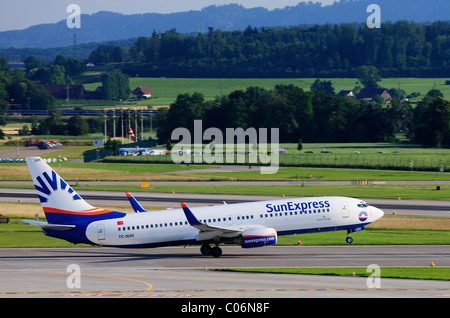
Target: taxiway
(183,272)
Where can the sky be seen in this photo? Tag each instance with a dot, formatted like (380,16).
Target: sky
(21,14)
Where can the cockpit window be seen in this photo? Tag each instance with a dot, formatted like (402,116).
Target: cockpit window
(363,205)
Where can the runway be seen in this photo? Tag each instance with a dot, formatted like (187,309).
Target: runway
(422,208)
(184,273)
(178,272)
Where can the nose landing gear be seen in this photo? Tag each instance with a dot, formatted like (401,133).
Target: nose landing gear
(349,239)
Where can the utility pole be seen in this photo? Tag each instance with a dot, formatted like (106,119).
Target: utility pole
(114,124)
(105,124)
(129,125)
(121,122)
(136,124)
(142,127)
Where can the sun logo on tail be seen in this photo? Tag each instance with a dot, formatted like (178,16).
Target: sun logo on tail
(44,189)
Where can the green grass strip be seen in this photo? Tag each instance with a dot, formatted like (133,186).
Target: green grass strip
(435,273)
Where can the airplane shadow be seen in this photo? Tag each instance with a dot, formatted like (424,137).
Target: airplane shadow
(117,256)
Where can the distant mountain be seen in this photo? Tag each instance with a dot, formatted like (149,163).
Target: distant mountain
(109,26)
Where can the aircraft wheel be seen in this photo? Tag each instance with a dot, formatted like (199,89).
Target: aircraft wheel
(216,251)
(349,240)
(206,249)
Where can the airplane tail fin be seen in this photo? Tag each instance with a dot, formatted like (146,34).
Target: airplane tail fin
(61,204)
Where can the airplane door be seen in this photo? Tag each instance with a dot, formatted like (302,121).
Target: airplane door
(100,231)
(344,208)
(230,220)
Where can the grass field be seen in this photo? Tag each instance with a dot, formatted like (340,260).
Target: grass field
(351,155)
(437,273)
(165,90)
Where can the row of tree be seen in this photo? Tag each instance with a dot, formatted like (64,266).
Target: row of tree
(15,88)
(396,49)
(56,73)
(312,116)
(18,87)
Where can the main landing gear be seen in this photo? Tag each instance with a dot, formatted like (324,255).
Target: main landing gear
(215,251)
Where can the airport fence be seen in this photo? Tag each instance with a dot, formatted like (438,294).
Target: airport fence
(353,161)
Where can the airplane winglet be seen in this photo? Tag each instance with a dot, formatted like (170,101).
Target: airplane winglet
(193,221)
(134,203)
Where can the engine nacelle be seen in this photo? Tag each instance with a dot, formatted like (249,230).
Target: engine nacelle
(258,238)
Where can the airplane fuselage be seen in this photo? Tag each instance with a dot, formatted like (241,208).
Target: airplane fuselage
(287,216)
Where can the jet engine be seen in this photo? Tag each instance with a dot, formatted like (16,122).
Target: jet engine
(257,238)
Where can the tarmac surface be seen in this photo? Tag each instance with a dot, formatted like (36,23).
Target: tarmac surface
(184,273)
(181,272)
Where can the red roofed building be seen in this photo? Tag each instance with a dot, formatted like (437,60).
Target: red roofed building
(142,92)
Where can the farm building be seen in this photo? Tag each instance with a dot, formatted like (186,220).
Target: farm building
(142,92)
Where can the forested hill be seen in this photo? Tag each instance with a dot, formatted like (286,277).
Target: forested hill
(107,26)
(397,49)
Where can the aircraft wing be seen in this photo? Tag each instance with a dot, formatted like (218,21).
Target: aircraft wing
(134,203)
(208,232)
(46,226)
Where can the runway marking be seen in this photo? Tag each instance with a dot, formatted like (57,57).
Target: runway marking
(150,286)
(190,293)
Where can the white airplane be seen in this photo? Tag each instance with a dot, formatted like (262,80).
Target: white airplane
(253,224)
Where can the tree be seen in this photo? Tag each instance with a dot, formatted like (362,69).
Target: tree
(25,131)
(169,145)
(107,54)
(77,126)
(55,75)
(73,66)
(368,76)
(60,60)
(40,98)
(54,124)
(113,144)
(115,86)
(325,86)
(32,63)
(4,97)
(4,65)
(431,123)
(435,93)
(299,145)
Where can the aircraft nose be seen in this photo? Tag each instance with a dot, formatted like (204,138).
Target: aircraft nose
(377,213)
